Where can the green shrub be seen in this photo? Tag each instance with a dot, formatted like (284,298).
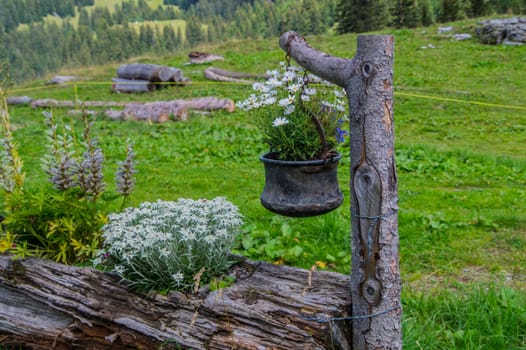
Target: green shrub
(61,222)
(60,225)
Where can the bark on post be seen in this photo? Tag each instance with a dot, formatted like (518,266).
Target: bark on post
(375,277)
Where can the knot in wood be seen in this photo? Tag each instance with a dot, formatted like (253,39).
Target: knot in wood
(367,70)
(14,269)
(371,291)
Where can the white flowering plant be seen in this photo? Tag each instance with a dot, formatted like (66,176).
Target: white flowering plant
(169,245)
(301,116)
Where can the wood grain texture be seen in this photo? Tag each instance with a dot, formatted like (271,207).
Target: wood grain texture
(48,305)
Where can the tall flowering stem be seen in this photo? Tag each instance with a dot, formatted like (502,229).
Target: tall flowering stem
(124,177)
(59,163)
(11,175)
(305,97)
(89,172)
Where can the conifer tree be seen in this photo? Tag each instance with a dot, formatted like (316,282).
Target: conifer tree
(311,10)
(362,15)
(179,38)
(427,15)
(169,38)
(480,8)
(84,19)
(194,33)
(453,10)
(406,14)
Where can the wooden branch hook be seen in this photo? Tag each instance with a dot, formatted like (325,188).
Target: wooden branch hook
(375,277)
(333,69)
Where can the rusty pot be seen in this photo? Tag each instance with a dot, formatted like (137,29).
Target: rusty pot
(301,188)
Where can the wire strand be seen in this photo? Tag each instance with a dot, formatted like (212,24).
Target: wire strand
(325,319)
(404,94)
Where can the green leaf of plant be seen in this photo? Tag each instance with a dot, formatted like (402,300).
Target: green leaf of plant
(295,251)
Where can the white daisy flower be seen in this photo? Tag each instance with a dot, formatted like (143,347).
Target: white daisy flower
(289,109)
(293,88)
(280,121)
(284,102)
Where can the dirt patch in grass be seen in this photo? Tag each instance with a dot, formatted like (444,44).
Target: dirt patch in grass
(468,275)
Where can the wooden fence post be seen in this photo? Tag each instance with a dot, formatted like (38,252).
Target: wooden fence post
(375,277)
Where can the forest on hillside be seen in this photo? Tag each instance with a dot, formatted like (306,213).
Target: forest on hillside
(82,34)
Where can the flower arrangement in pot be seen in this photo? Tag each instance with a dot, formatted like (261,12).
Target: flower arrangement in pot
(300,117)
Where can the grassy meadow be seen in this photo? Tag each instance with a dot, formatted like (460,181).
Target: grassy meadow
(110,4)
(460,121)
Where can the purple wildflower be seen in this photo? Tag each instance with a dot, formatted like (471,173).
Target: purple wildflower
(125,172)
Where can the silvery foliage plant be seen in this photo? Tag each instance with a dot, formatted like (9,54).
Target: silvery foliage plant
(167,245)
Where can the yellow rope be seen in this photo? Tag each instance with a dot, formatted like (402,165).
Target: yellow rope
(405,94)
(447,99)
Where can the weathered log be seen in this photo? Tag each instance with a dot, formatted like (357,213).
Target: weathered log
(78,112)
(48,102)
(130,85)
(197,57)
(61,79)
(162,111)
(211,71)
(209,104)
(150,72)
(375,276)
(171,74)
(46,305)
(211,74)
(158,112)
(19,100)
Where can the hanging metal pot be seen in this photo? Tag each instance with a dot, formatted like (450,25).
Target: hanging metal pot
(301,188)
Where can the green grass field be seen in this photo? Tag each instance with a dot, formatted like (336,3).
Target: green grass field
(460,121)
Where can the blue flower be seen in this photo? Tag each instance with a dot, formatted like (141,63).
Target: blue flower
(340,134)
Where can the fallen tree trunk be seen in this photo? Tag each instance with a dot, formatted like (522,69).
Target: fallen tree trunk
(150,72)
(130,86)
(211,75)
(46,305)
(197,57)
(61,79)
(225,75)
(158,112)
(162,111)
(19,100)
(49,102)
